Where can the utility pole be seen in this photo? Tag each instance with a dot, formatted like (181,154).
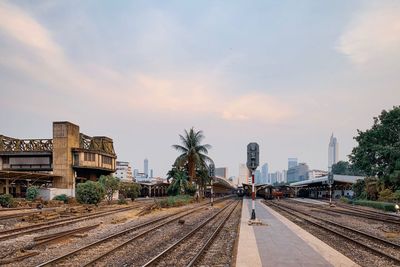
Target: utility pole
(211,174)
(252,164)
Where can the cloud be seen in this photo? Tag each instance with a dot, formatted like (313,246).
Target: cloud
(373,35)
(258,107)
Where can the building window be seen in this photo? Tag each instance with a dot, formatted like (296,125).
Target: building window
(89,156)
(6,160)
(107,160)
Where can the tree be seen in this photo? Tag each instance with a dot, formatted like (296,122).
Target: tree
(129,190)
(110,185)
(179,184)
(345,168)
(89,192)
(193,153)
(203,179)
(378,148)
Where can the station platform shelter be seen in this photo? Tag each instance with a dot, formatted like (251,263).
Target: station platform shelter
(318,188)
(279,242)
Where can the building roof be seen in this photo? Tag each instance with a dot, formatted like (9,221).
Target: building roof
(324,180)
(17,175)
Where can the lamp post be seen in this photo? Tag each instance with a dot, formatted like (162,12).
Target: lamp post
(211,173)
(330,183)
(252,164)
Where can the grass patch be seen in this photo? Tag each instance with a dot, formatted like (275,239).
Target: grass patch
(376,204)
(176,201)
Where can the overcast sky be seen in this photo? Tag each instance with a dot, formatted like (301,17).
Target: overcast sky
(285,74)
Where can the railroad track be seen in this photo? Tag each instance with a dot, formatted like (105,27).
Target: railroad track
(381,217)
(191,240)
(19,231)
(381,247)
(105,243)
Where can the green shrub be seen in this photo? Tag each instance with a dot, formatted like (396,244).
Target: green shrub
(396,195)
(6,200)
(375,204)
(386,195)
(191,189)
(62,197)
(346,200)
(176,201)
(89,192)
(129,190)
(122,201)
(110,185)
(32,193)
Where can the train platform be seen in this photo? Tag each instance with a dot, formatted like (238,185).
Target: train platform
(281,243)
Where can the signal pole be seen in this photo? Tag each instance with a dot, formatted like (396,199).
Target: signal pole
(252,164)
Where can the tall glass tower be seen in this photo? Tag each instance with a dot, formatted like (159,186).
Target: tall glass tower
(146,167)
(333,152)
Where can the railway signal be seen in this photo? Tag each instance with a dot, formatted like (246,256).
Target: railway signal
(252,164)
(330,183)
(211,173)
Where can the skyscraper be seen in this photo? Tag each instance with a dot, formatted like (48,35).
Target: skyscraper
(264,173)
(244,174)
(257,177)
(146,167)
(333,152)
(292,162)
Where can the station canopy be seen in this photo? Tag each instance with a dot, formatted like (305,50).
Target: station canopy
(17,175)
(343,179)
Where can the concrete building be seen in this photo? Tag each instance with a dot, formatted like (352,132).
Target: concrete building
(221,172)
(146,167)
(151,173)
(284,173)
(292,162)
(58,163)
(312,174)
(257,177)
(333,152)
(298,173)
(264,173)
(141,177)
(244,174)
(124,171)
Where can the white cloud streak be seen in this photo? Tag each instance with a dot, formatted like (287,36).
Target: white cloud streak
(373,36)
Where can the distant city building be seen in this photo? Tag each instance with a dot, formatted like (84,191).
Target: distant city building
(123,171)
(312,174)
(146,167)
(221,172)
(244,174)
(333,152)
(257,177)
(135,172)
(151,173)
(142,177)
(284,172)
(298,173)
(279,177)
(292,162)
(264,173)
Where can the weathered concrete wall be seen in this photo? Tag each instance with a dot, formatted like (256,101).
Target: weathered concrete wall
(50,193)
(65,137)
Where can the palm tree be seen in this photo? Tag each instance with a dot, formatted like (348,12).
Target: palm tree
(194,154)
(179,183)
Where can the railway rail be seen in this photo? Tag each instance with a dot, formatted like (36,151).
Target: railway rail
(377,245)
(201,231)
(371,215)
(29,229)
(105,243)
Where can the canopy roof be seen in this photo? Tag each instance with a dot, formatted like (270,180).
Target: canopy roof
(324,180)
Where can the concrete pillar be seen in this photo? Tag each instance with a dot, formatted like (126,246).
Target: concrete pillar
(7,186)
(65,137)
